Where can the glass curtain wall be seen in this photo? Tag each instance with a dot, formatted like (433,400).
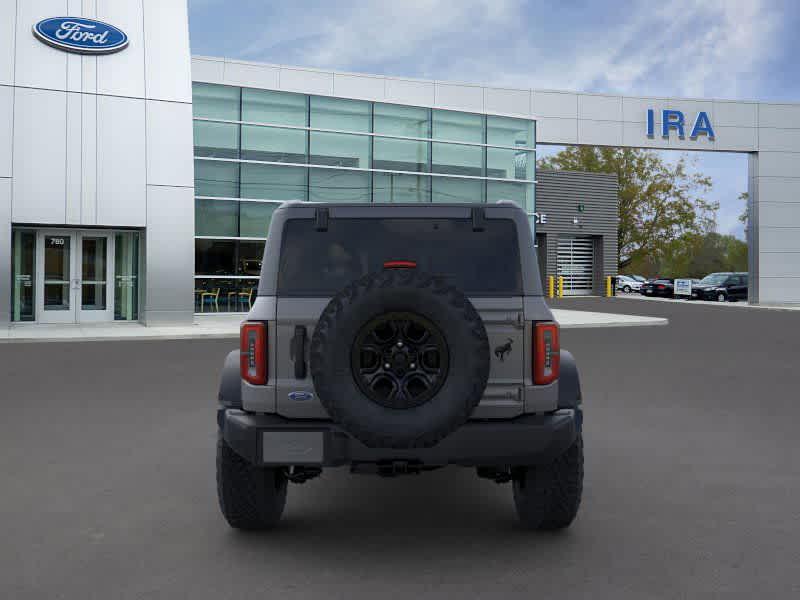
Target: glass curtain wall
(257,148)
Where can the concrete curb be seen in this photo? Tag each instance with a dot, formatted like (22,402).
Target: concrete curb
(212,328)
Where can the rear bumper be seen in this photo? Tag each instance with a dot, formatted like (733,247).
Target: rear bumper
(526,440)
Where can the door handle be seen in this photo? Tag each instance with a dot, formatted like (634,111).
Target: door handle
(298,352)
(514,319)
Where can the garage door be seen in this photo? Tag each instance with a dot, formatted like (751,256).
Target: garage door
(576,264)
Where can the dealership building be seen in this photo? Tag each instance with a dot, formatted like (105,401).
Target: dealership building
(137,182)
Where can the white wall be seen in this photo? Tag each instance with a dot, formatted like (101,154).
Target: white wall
(84,138)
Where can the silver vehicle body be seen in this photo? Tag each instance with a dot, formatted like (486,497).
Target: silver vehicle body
(508,320)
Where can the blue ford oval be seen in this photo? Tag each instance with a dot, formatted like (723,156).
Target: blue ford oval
(84,36)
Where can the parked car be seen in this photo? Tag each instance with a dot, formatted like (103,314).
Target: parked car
(722,287)
(638,278)
(663,288)
(627,284)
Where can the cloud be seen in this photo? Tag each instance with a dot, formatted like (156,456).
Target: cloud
(687,47)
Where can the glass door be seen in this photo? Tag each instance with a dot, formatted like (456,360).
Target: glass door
(56,277)
(95,275)
(74,275)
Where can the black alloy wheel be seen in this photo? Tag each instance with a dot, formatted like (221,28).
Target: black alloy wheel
(399,360)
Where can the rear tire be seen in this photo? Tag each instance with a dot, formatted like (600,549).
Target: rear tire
(251,498)
(547,497)
(627,289)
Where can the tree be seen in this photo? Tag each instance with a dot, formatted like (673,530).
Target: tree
(696,255)
(659,202)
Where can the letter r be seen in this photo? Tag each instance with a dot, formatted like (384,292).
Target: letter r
(672,119)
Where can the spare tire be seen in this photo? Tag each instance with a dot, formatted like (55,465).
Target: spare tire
(399,359)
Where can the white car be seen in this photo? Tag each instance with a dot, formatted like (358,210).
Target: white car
(627,284)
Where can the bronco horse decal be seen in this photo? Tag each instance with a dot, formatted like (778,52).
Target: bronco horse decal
(501,351)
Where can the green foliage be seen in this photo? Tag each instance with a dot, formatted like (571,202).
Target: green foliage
(694,255)
(660,203)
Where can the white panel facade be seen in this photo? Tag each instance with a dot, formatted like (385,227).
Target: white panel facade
(735,114)
(74,130)
(207,69)
(240,73)
(37,65)
(780,140)
(74,159)
(779,264)
(408,91)
(556,131)
(121,164)
(600,108)
(779,239)
(169,144)
(75,72)
(8,25)
(121,73)
(509,102)
(776,290)
(6,127)
(735,139)
(306,81)
(166,38)
(5,248)
(169,255)
(779,115)
(563,105)
(459,97)
(778,164)
(355,86)
(39,156)
(89,159)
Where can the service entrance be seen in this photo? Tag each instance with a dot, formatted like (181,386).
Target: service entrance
(575,263)
(73,275)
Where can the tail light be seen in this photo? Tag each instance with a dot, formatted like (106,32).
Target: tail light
(546,353)
(661,287)
(253,352)
(400,264)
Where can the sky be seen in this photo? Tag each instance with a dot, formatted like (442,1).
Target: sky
(732,49)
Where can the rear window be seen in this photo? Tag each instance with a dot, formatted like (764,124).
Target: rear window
(320,263)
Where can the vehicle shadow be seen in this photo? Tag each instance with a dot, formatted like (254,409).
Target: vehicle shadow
(449,516)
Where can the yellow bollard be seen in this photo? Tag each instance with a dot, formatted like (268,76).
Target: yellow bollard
(551,286)
(560,286)
(608,287)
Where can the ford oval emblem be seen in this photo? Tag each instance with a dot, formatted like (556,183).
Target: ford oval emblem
(84,36)
(300,396)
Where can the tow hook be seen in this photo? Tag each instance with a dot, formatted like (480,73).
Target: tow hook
(302,474)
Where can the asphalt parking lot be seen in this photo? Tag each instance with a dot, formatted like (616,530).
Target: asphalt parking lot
(692,480)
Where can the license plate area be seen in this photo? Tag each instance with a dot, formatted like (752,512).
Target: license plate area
(292,447)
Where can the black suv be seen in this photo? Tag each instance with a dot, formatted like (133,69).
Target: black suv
(722,287)
(396,339)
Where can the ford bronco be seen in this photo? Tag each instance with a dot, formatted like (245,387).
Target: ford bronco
(398,339)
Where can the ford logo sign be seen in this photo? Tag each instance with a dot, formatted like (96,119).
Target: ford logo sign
(84,36)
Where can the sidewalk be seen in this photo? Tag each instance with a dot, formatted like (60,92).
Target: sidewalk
(739,304)
(227,326)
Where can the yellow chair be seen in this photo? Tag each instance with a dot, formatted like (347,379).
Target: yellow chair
(212,297)
(247,295)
